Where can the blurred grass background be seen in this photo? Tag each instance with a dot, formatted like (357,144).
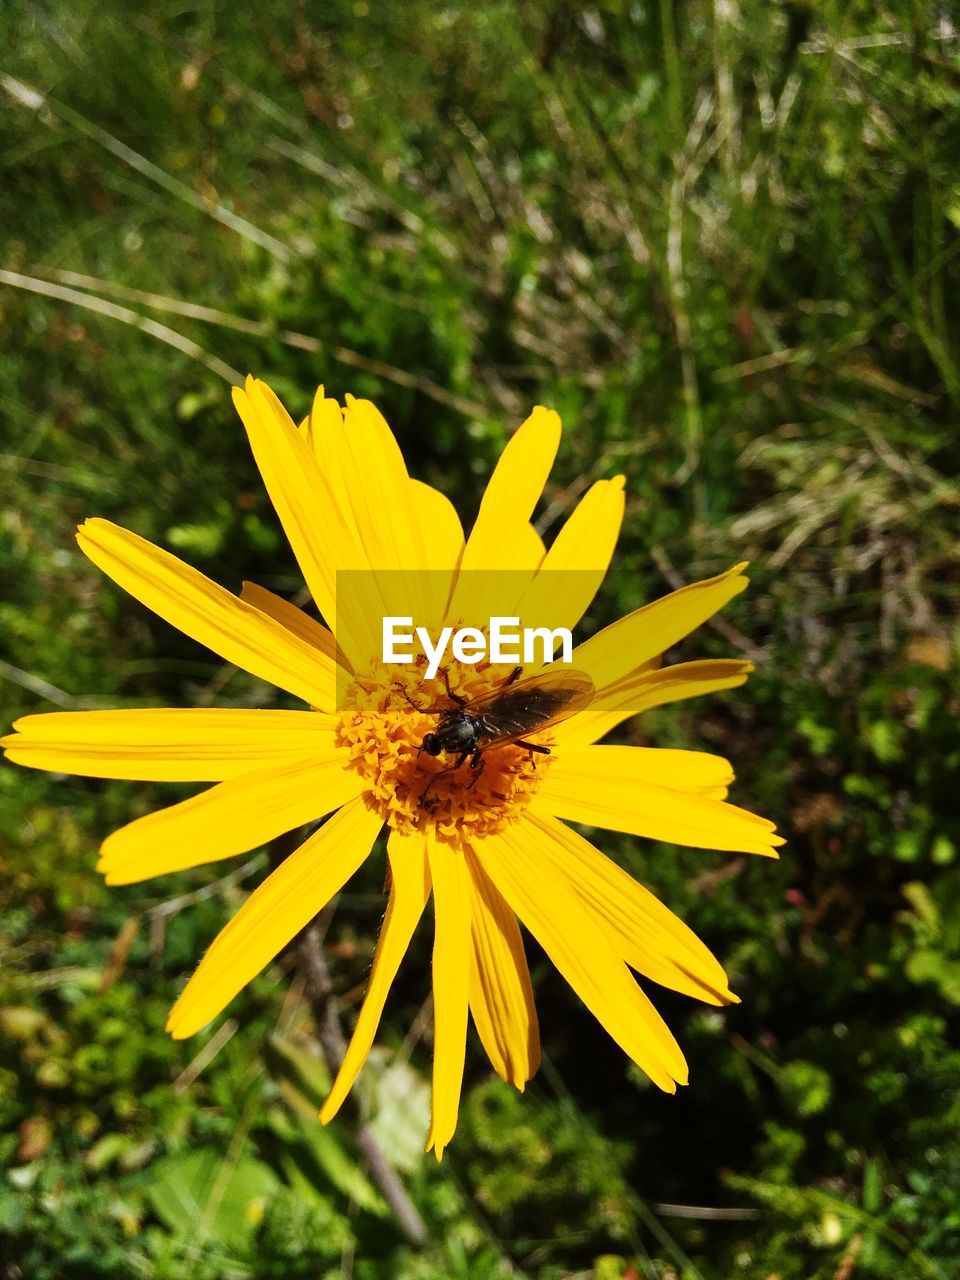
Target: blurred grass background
(721,239)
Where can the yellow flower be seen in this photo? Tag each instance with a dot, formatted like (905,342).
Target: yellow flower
(490,845)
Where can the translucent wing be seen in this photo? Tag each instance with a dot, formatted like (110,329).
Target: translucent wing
(514,710)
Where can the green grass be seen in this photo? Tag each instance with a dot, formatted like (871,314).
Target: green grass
(722,241)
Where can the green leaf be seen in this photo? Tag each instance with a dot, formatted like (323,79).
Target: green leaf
(327,1149)
(199,1193)
(400,1115)
(302,1066)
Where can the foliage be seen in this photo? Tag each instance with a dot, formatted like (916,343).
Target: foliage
(721,240)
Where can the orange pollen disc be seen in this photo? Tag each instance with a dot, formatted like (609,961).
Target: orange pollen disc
(413,790)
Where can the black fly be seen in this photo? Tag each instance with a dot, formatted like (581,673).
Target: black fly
(506,714)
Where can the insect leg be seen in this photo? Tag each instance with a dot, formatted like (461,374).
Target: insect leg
(533,746)
(426,790)
(403,689)
(454,697)
(441,773)
(427,711)
(513,677)
(477,764)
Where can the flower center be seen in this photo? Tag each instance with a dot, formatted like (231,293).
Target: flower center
(383,722)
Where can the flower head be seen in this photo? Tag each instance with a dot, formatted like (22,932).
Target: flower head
(489,844)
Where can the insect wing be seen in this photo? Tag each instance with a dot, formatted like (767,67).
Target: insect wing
(529,706)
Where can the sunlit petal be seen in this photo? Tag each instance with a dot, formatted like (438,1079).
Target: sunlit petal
(610,787)
(409,891)
(441,536)
(289,616)
(650,688)
(502,540)
(569,933)
(309,512)
(275,913)
(199,744)
(501,996)
(451,987)
(230,818)
(577,562)
(513,491)
(623,647)
(207,613)
(645,933)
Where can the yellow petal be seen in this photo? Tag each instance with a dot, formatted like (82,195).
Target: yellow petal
(451,984)
(357,450)
(570,935)
(610,787)
(209,614)
(696,771)
(650,688)
(409,891)
(501,996)
(620,649)
(441,531)
(367,460)
(526,552)
(441,536)
(645,933)
(480,594)
(230,818)
(502,539)
(289,616)
(321,427)
(159,745)
(577,562)
(379,490)
(323,430)
(309,512)
(513,491)
(275,913)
